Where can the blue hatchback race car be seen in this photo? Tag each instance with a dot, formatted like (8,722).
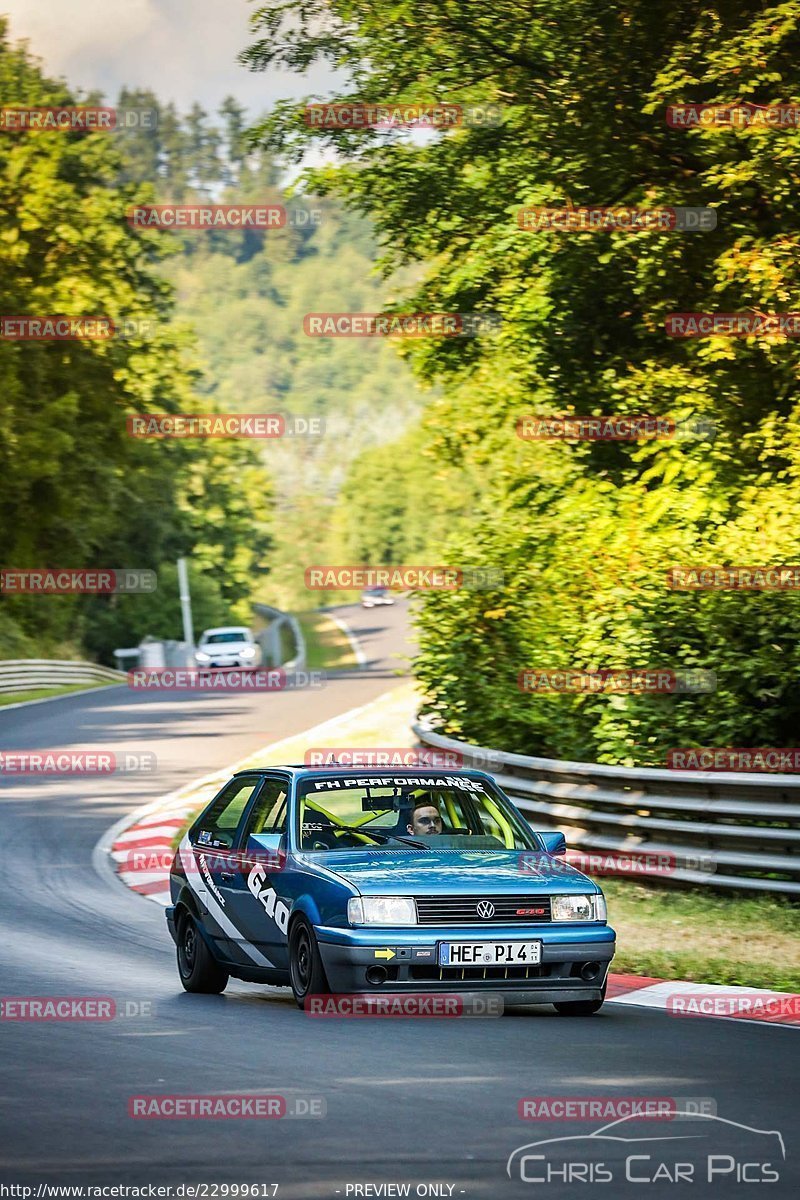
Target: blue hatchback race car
(374,881)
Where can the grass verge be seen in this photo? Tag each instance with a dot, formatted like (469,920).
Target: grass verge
(47,693)
(705,937)
(327,646)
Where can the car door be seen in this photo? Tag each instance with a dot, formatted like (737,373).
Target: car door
(252,890)
(212,856)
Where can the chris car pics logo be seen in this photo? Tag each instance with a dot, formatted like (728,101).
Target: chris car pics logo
(696,1148)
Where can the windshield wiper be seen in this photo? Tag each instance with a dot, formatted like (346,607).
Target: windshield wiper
(394,837)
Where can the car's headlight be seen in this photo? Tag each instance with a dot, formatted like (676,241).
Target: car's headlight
(381,910)
(248,652)
(578,908)
(201,656)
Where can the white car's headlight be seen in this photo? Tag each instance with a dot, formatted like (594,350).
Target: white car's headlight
(578,908)
(381,910)
(248,652)
(201,656)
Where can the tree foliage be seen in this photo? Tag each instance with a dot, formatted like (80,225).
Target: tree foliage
(75,489)
(585,532)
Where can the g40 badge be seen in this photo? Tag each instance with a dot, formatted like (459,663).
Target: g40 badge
(277,909)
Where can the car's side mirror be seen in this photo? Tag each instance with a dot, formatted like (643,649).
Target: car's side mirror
(554,843)
(269,849)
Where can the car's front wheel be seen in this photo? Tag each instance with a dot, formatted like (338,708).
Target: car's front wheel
(306,972)
(197,967)
(580,1008)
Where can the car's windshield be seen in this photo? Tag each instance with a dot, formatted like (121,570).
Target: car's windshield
(426,811)
(231,635)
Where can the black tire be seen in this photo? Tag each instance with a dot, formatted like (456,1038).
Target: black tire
(197,967)
(580,1008)
(306,972)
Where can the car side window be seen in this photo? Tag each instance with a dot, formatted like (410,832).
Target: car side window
(269,811)
(218,826)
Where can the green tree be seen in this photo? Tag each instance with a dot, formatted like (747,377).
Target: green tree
(75,489)
(235,125)
(203,147)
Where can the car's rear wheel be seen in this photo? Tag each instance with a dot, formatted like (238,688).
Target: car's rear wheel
(197,967)
(306,972)
(580,1008)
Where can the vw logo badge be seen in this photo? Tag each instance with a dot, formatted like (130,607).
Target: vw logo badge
(485,909)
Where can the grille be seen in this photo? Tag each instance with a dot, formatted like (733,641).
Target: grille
(478,974)
(463,910)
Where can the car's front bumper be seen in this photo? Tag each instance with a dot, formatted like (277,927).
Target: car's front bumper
(574,961)
(229,664)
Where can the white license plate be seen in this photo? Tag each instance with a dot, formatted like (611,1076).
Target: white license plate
(489,954)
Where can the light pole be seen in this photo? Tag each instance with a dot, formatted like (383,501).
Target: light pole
(186,603)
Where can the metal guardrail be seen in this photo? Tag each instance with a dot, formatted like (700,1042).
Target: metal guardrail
(742,828)
(29,674)
(270,639)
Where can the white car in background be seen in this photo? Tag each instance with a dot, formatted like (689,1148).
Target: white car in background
(228,646)
(373,596)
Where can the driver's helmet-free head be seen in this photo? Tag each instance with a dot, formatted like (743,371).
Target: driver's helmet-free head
(428,822)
